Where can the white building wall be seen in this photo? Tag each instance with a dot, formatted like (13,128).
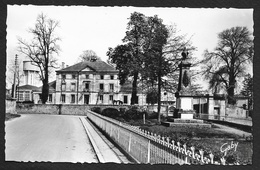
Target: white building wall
(94,87)
(31,74)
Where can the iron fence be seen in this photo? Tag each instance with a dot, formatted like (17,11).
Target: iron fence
(146,147)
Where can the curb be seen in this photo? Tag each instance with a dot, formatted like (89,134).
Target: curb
(97,151)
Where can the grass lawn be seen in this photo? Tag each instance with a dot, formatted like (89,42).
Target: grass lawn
(208,139)
(9,116)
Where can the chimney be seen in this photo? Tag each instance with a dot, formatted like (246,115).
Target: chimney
(62,65)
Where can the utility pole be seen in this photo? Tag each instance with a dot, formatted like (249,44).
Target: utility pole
(14,84)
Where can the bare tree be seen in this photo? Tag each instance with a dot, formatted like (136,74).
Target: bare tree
(11,72)
(88,55)
(229,60)
(42,48)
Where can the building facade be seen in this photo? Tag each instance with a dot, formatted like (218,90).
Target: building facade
(29,82)
(92,82)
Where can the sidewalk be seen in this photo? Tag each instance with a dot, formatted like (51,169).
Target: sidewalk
(105,150)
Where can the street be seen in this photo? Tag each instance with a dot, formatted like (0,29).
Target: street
(54,138)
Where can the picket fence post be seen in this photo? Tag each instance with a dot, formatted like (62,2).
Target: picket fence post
(148,151)
(129,145)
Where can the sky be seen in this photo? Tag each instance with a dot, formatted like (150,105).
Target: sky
(98,28)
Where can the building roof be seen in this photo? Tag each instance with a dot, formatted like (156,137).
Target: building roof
(52,87)
(27,87)
(98,66)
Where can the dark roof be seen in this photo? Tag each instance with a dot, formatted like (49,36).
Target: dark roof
(52,87)
(27,87)
(98,66)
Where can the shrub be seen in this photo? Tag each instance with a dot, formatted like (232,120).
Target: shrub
(122,111)
(134,114)
(96,109)
(153,115)
(111,112)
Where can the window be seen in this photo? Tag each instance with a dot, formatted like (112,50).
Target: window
(63,98)
(101,98)
(111,97)
(87,76)
(111,77)
(125,99)
(50,97)
(63,87)
(73,76)
(101,86)
(27,96)
(111,87)
(63,76)
(87,86)
(73,98)
(20,96)
(73,86)
(101,77)
(137,99)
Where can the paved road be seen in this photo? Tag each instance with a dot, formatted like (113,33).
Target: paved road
(55,138)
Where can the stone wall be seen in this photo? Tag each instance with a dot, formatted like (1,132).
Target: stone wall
(74,109)
(10,106)
(37,108)
(67,109)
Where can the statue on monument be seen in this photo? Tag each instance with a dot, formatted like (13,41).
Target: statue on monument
(184,54)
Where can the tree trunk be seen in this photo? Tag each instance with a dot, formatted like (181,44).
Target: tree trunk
(231,90)
(134,90)
(159,98)
(159,88)
(45,87)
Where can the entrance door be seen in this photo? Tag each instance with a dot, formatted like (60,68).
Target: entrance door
(217,113)
(86,99)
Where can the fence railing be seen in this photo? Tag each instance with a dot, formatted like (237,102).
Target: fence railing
(146,147)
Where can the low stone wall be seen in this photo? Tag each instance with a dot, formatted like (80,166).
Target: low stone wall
(74,109)
(52,109)
(10,106)
(37,108)
(66,109)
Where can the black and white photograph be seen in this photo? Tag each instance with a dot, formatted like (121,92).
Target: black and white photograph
(129,85)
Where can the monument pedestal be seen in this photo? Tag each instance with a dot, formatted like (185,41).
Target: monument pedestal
(184,100)
(185,105)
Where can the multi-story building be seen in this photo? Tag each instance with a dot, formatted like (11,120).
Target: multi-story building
(28,82)
(91,82)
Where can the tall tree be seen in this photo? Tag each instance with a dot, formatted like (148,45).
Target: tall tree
(41,49)
(88,55)
(129,56)
(11,70)
(228,62)
(155,66)
(163,57)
